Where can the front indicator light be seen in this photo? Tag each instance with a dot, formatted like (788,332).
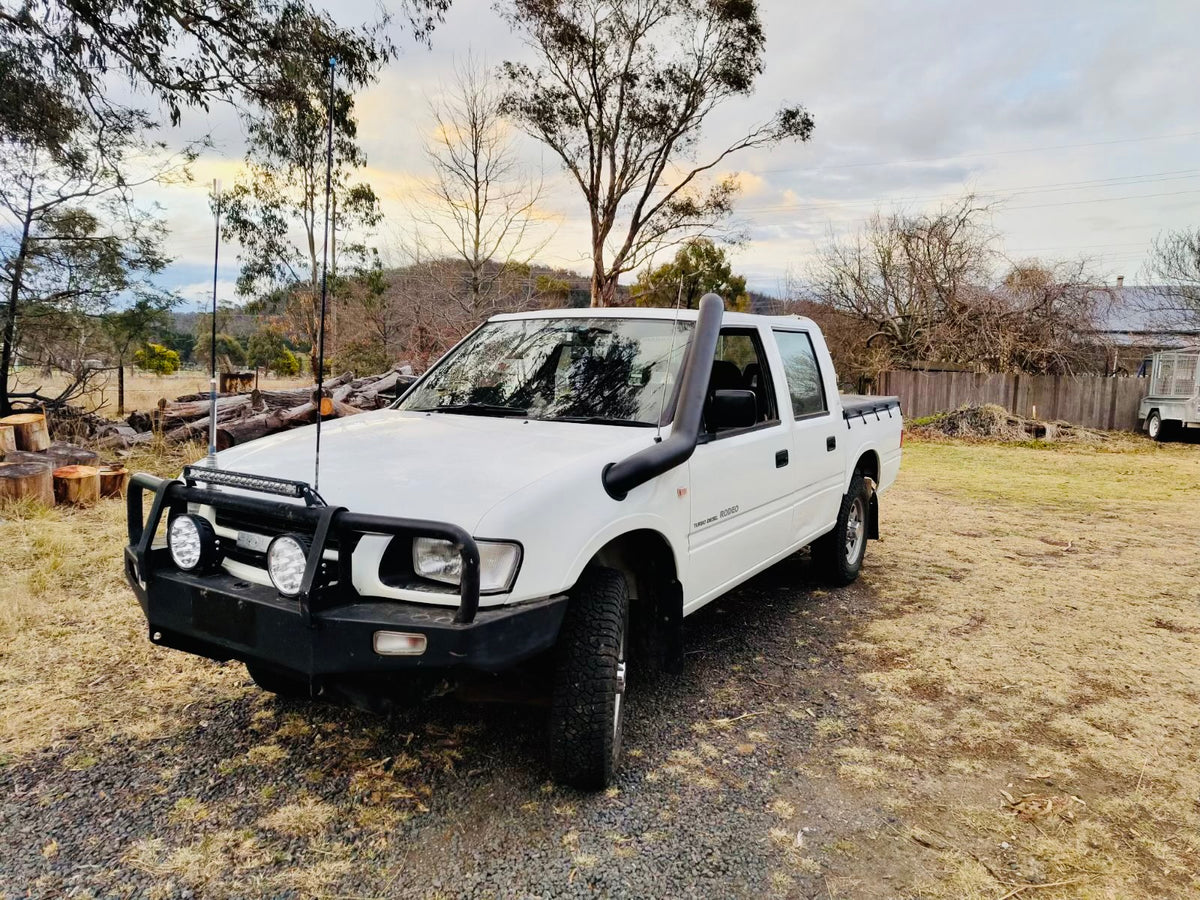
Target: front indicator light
(287,558)
(440,560)
(192,543)
(399,643)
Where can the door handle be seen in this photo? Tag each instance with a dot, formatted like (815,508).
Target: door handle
(831,442)
(781,459)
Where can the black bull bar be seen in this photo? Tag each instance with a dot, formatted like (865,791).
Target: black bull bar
(327,630)
(319,521)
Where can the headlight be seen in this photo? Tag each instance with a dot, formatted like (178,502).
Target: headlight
(440,560)
(191,542)
(287,557)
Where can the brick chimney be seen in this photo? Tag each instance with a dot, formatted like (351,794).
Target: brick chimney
(1120,281)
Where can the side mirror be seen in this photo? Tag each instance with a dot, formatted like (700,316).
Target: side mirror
(732,409)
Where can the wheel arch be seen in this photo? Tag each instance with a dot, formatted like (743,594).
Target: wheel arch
(868,465)
(644,555)
(647,560)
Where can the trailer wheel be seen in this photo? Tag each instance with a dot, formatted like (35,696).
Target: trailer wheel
(588,710)
(1154,426)
(839,554)
(278,683)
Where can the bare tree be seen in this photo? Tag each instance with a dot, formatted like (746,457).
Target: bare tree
(621,94)
(483,200)
(1042,318)
(1174,271)
(905,274)
(926,290)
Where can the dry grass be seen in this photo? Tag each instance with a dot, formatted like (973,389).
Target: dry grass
(1031,665)
(142,390)
(1034,668)
(74,657)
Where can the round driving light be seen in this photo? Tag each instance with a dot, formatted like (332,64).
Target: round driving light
(286,559)
(191,542)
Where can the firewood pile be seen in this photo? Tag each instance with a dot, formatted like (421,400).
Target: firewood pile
(245,417)
(35,467)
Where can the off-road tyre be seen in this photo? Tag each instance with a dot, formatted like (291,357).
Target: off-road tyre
(278,683)
(838,560)
(587,710)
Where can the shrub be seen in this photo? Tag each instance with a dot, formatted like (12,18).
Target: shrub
(157,359)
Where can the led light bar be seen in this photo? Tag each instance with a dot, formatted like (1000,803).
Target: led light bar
(263,484)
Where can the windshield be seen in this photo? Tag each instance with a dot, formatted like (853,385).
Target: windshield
(610,371)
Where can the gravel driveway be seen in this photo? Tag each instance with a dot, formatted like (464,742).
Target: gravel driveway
(265,797)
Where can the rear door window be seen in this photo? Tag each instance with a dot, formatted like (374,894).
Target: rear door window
(803,374)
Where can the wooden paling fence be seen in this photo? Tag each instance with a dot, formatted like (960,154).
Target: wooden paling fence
(1091,401)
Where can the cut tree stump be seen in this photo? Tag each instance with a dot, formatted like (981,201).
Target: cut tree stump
(32,480)
(25,456)
(62,454)
(77,485)
(8,440)
(30,430)
(114,479)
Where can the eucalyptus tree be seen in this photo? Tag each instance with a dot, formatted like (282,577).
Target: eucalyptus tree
(620,93)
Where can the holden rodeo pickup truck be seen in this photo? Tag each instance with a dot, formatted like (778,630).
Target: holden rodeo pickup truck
(562,484)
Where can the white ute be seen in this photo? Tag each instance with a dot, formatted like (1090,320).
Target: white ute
(565,484)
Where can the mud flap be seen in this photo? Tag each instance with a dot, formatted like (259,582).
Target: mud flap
(670,628)
(872,510)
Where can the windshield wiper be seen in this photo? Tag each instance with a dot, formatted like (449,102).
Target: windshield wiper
(598,420)
(478,409)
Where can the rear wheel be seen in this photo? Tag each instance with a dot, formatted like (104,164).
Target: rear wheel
(1154,426)
(588,711)
(278,683)
(839,554)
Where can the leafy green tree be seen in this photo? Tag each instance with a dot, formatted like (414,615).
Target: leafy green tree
(73,243)
(620,95)
(277,211)
(268,348)
(228,347)
(60,60)
(157,359)
(699,267)
(131,326)
(181,343)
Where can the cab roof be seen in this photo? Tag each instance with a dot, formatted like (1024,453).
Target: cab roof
(748,320)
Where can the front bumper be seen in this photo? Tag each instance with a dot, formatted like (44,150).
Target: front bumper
(329,629)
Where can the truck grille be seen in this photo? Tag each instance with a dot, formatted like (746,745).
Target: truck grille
(264,525)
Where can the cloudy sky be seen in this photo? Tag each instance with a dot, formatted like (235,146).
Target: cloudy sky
(1080,117)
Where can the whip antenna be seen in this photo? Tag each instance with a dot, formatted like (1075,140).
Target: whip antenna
(212,382)
(324,279)
(662,403)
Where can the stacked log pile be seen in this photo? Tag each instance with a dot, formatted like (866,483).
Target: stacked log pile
(36,463)
(246,417)
(32,467)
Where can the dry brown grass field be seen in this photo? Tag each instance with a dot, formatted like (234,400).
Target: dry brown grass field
(142,390)
(1025,708)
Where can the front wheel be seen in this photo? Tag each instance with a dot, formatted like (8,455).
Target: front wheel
(839,554)
(588,710)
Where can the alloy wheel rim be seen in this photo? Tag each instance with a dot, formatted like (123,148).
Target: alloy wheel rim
(620,678)
(855,527)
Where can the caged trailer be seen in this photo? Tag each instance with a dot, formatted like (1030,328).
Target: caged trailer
(1173,403)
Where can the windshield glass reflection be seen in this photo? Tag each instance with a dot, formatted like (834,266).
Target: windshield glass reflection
(613,371)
